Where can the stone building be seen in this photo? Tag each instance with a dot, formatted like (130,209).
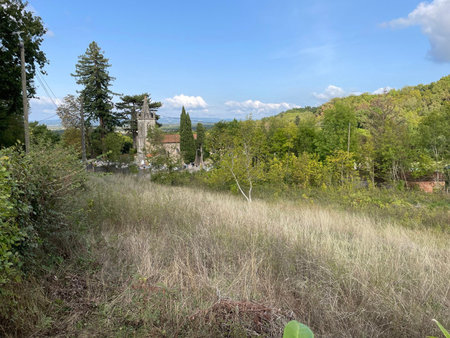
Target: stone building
(145,121)
(171,143)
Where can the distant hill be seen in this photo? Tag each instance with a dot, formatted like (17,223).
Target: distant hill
(416,100)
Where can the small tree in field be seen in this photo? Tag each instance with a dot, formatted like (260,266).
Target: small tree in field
(241,159)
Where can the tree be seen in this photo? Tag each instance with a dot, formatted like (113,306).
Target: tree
(338,122)
(129,106)
(199,142)
(241,159)
(41,134)
(307,135)
(69,111)
(72,116)
(14,17)
(92,73)
(391,139)
(187,142)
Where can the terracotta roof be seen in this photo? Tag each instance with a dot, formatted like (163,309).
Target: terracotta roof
(173,138)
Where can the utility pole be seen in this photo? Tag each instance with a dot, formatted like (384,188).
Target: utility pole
(83,137)
(24,95)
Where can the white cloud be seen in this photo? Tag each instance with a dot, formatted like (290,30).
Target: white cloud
(256,107)
(45,101)
(191,102)
(382,90)
(333,91)
(330,92)
(434,19)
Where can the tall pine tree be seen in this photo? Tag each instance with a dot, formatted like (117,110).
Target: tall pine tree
(92,73)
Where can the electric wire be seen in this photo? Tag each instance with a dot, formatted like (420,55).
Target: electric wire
(47,90)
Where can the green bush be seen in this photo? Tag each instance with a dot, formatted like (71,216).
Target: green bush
(36,193)
(10,235)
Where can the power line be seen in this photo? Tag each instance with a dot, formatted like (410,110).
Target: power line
(47,88)
(43,78)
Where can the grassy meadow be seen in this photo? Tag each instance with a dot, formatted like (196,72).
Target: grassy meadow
(178,261)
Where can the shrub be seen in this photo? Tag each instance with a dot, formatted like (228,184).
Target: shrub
(36,190)
(10,234)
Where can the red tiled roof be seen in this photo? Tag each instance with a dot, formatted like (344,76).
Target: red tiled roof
(173,138)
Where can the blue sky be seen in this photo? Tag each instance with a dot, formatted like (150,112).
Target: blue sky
(228,59)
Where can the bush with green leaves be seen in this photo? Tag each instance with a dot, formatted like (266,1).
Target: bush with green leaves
(10,234)
(36,194)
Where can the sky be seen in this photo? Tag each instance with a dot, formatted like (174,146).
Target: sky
(231,59)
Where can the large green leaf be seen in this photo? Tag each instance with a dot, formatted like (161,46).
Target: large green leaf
(444,331)
(294,329)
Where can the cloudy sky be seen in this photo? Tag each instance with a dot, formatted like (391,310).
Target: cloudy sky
(233,58)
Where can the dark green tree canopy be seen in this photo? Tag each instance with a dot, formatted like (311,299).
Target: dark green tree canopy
(92,73)
(14,17)
(130,105)
(187,142)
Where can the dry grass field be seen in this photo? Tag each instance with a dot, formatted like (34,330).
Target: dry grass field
(193,263)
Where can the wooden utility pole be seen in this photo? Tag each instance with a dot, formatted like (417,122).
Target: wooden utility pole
(24,97)
(83,137)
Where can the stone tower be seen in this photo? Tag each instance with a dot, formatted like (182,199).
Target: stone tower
(145,121)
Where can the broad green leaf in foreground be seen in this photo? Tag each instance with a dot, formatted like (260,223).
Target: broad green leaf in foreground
(294,329)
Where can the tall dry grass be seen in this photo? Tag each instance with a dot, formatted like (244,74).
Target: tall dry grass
(344,275)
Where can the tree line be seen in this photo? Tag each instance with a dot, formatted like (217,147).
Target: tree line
(385,139)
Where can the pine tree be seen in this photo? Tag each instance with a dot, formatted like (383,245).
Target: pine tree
(129,106)
(92,73)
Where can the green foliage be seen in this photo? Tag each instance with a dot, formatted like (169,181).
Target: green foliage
(35,189)
(10,235)
(71,137)
(341,168)
(39,133)
(307,135)
(187,142)
(92,73)
(295,329)
(130,106)
(117,144)
(240,158)
(15,17)
(338,122)
(200,141)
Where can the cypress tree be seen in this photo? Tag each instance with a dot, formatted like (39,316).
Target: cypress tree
(182,131)
(190,142)
(187,143)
